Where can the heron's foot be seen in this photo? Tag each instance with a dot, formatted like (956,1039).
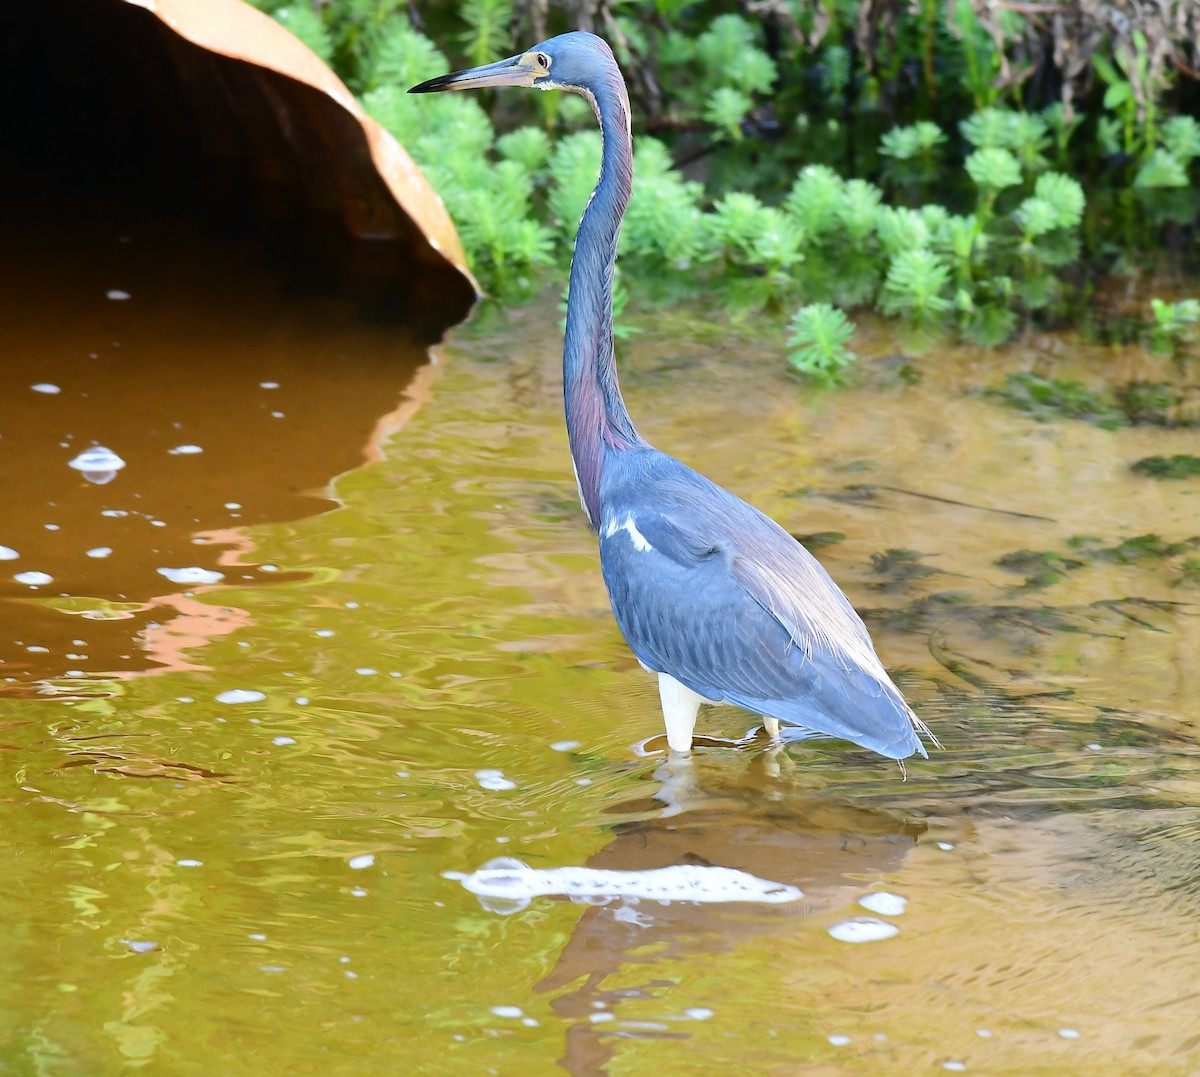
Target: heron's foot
(771,728)
(752,741)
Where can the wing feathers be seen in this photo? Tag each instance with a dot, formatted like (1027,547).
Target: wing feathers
(709,590)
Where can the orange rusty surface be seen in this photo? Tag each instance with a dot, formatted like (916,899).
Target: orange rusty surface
(234,29)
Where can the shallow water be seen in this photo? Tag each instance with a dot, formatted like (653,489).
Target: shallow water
(240,813)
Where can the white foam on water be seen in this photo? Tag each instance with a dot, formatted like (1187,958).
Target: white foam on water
(116,294)
(360,862)
(1069,1033)
(884,903)
(512,882)
(139,947)
(34,579)
(839,1040)
(191,574)
(240,695)
(45,387)
(508,1011)
(185,450)
(863,929)
(494,780)
(99,551)
(7,553)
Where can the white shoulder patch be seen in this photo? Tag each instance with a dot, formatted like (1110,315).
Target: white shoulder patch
(640,542)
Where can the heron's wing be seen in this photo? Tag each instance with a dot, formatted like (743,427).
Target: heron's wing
(732,606)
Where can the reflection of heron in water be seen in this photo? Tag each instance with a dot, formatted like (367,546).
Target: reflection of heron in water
(717,599)
(825,854)
(828,850)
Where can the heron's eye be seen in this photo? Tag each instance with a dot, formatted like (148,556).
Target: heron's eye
(543,61)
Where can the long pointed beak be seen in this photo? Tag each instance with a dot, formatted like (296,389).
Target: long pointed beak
(511,72)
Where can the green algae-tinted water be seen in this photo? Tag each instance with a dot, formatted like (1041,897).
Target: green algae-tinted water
(231,807)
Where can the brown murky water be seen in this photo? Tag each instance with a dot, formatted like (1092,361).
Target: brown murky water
(232,806)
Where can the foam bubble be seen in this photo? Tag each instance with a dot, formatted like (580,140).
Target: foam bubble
(33,579)
(192,574)
(7,553)
(360,862)
(508,1011)
(884,903)
(139,947)
(97,464)
(863,929)
(240,695)
(494,780)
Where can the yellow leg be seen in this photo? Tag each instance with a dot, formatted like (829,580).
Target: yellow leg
(771,725)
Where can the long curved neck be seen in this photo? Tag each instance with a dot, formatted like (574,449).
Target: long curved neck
(597,419)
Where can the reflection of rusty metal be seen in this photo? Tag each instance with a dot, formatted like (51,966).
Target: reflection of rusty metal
(289,133)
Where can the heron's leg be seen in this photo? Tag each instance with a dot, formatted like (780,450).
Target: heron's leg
(771,725)
(679,704)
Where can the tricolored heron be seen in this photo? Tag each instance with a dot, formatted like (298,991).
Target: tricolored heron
(713,596)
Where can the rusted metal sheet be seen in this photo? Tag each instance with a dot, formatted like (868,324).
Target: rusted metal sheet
(238,31)
(250,118)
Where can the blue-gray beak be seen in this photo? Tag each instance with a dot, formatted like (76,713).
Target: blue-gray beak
(515,71)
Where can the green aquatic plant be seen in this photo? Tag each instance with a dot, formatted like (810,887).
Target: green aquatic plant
(1178,466)
(913,141)
(1174,323)
(901,230)
(902,566)
(730,55)
(1024,134)
(488,30)
(726,108)
(815,199)
(529,146)
(817,343)
(1047,398)
(1162,169)
(1151,403)
(1180,137)
(308,26)
(1148,547)
(916,286)
(1042,568)
(664,225)
(857,209)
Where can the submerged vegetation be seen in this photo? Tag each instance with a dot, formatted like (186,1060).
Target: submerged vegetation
(1131,403)
(963,166)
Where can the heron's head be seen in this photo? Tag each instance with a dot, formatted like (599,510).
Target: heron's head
(572,61)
